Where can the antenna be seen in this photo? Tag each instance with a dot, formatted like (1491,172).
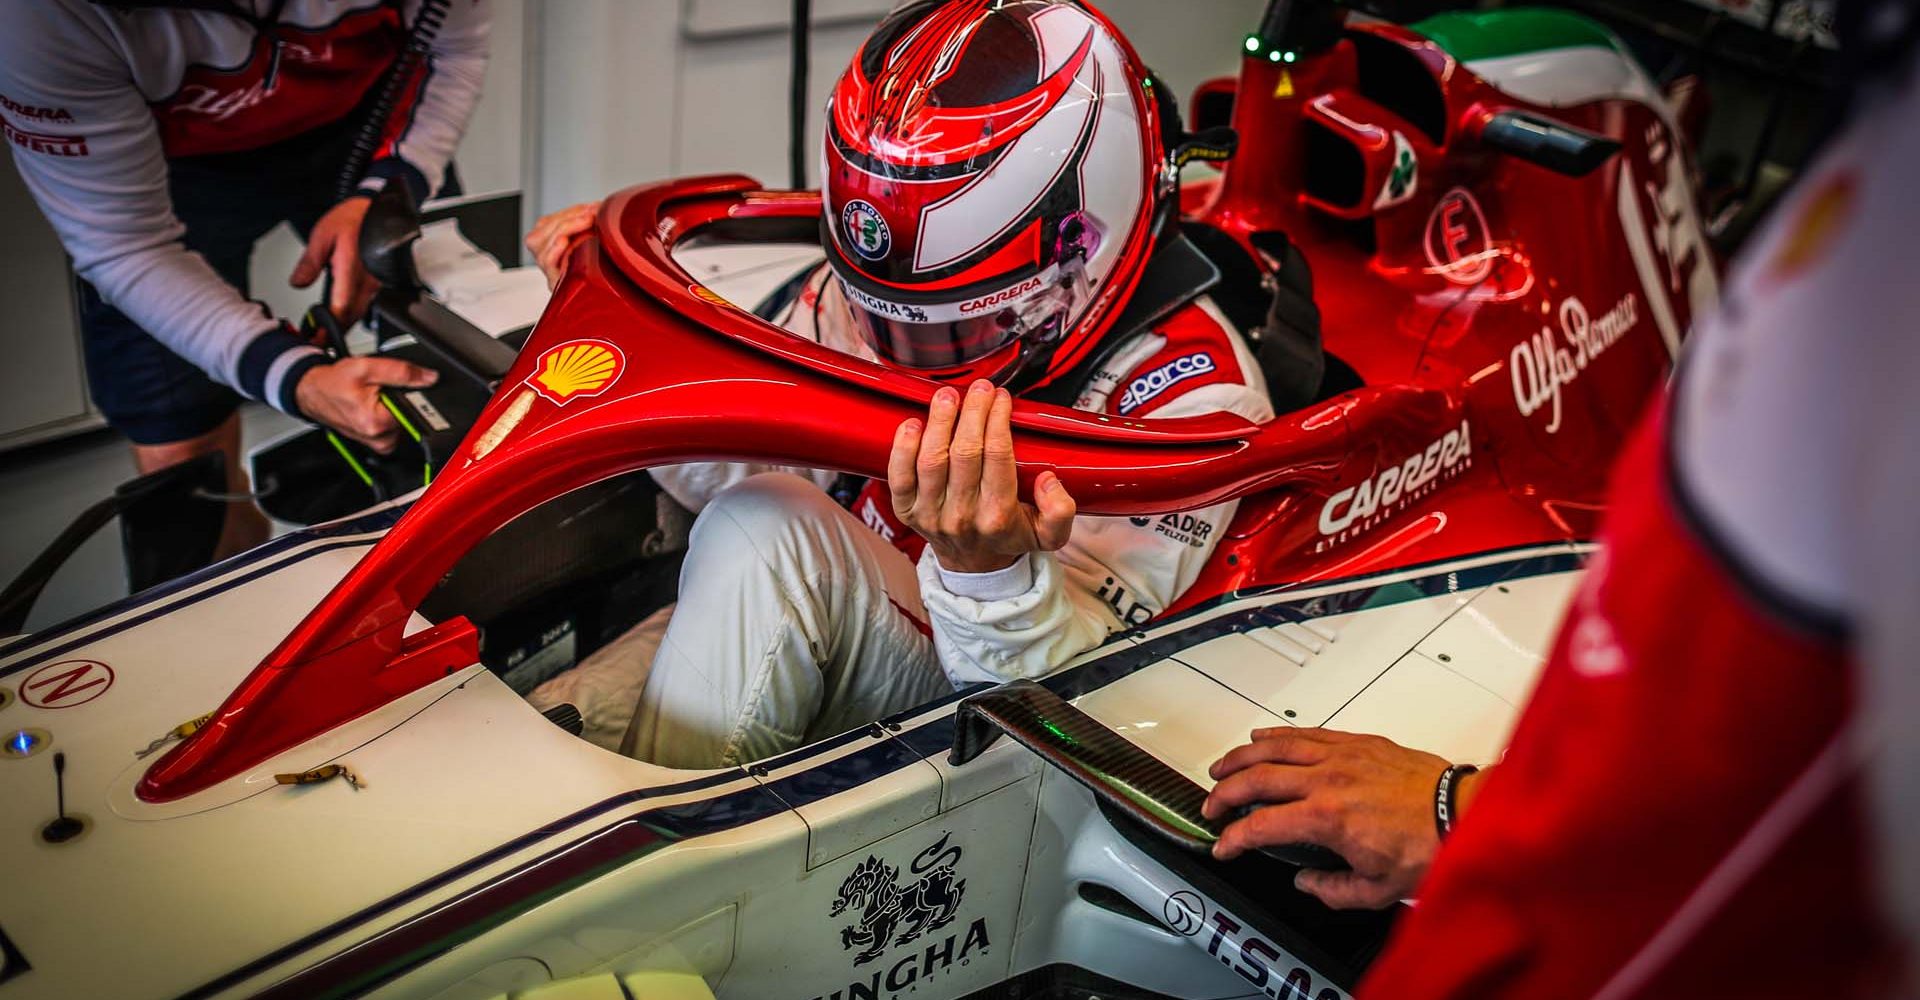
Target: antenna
(797,94)
(64,827)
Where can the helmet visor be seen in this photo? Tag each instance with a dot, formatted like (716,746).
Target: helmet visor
(947,335)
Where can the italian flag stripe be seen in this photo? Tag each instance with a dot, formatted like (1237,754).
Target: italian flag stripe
(1470,36)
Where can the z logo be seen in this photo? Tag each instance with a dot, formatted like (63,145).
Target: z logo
(66,684)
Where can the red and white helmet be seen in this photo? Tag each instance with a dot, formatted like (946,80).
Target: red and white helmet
(992,170)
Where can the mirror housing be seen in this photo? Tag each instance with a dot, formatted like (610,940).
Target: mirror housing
(387,236)
(1546,142)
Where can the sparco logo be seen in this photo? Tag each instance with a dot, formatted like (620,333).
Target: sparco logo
(1001,297)
(1357,508)
(891,914)
(1159,380)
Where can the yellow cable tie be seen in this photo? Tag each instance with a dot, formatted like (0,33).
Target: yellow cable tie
(179,732)
(325,772)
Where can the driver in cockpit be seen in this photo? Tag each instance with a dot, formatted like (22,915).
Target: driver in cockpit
(996,180)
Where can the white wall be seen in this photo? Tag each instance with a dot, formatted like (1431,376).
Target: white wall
(43,390)
(624,95)
(493,150)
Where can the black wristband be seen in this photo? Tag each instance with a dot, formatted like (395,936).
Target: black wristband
(1445,800)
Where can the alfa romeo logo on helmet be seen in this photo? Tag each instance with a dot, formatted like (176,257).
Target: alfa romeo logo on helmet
(865,230)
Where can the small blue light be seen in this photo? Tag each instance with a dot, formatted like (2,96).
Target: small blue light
(23,742)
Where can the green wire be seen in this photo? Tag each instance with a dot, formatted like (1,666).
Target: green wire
(426,468)
(358,469)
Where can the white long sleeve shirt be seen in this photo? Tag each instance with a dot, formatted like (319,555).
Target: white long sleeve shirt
(95,98)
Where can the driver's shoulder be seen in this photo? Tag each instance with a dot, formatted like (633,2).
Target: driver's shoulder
(818,312)
(1190,363)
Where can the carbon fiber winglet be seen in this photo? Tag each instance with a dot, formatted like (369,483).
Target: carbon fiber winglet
(1118,772)
(1121,774)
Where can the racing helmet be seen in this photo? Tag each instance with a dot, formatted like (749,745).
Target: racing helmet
(992,175)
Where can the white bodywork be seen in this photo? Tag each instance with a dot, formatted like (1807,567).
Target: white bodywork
(463,775)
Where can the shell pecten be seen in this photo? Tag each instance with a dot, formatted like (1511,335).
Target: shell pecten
(576,368)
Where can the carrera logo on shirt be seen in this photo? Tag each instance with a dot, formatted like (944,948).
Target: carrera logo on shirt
(1143,389)
(32,113)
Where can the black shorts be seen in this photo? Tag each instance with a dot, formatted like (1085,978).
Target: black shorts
(227,202)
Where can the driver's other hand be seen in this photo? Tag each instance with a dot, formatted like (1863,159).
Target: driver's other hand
(1365,797)
(334,246)
(953,480)
(345,396)
(553,233)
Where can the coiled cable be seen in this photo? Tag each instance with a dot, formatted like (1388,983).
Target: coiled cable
(427,22)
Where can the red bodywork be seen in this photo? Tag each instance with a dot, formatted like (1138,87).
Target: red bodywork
(703,379)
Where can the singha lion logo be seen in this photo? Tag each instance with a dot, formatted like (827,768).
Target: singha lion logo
(891,915)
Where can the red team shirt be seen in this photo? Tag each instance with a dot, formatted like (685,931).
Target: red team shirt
(1698,801)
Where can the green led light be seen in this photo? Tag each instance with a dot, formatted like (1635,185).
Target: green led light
(1291,56)
(1273,56)
(1253,44)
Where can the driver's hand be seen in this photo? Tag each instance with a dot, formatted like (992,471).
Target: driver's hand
(345,396)
(1365,797)
(953,481)
(334,246)
(552,234)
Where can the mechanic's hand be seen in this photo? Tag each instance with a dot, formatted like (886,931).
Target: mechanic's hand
(345,396)
(953,481)
(1365,797)
(334,246)
(552,234)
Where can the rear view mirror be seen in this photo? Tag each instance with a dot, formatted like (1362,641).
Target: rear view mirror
(1544,142)
(387,235)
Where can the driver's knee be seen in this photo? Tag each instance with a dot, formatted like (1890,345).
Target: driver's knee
(777,515)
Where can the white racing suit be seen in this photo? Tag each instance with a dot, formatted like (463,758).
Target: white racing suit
(798,620)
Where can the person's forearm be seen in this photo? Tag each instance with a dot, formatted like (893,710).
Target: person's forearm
(186,305)
(1465,792)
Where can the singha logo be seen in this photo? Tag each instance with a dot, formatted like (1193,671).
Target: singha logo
(894,915)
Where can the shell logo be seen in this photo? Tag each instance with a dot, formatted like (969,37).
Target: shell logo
(576,368)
